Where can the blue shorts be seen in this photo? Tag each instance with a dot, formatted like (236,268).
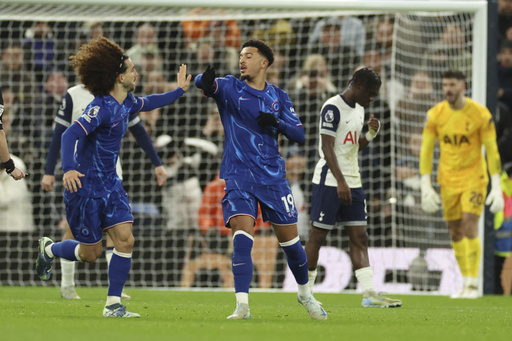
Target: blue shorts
(326,208)
(89,217)
(503,239)
(276,202)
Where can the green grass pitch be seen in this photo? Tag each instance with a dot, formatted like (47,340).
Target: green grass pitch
(38,313)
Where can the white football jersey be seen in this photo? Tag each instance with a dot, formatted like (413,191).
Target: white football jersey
(344,123)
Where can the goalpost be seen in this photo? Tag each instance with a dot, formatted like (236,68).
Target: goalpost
(318,44)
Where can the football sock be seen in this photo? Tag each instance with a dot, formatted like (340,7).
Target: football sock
(365,278)
(108,254)
(297,260)
(65,249)
(312,277)
(474,254)
(242,297)
(118,273)
(242,261)
(460,249)
(68,273)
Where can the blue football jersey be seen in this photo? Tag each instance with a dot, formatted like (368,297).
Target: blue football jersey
(251,152)
(105,122)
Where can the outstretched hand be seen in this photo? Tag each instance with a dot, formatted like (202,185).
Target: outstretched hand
(209,79)
(182,78)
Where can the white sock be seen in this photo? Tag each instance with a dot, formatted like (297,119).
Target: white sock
(304,290)
(242,297)
(113,300)
(68,273)
(365,278)
(48,250)
(108,255)
(312,277)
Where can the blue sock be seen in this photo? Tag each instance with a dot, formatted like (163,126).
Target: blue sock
(65,249)
(118,271)
(297,260)
(242,261)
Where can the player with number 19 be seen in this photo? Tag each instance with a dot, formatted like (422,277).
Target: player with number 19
(253,114)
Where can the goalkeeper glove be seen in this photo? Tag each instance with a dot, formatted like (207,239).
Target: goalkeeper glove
(495,197)
(209,79)
(265,119)
(430,200)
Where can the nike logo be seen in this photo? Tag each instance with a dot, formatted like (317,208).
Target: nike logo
(347,122)
(115,123)
(237,264)
(301,265)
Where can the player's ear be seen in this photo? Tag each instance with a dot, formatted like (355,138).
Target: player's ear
(264,63)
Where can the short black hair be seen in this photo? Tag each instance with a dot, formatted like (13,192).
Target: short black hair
(262,47)
(454,74)
(366,77)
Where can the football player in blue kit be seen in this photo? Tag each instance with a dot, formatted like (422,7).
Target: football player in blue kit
(253,113)
(94,196)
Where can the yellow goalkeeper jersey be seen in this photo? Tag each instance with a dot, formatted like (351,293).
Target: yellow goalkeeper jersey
(461,134)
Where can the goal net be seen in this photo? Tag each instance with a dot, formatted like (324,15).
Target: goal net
(180,238)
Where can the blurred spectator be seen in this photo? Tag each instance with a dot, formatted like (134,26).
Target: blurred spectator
(308,91)
(352,28)
(149,61)
(40,49)
(15,197)
(411,110)
(295,171)
(145,42)
(341,60)
(40,132)
(503,235)
(383,36)
(448,52)
(391,89)
(14,75)
(46,105)
(505,73)
(504,21)
(197,28)
(206,52)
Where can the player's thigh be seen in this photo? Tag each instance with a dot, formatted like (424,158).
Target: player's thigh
(354,214)
(473,199)
(452,205)
(277,204)
(240,209)
(122,237)
(325,206)
(83,215)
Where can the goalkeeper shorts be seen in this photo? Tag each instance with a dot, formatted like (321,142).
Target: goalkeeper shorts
(459,200)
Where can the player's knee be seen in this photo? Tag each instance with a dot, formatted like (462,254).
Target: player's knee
(360,238)
(126,244)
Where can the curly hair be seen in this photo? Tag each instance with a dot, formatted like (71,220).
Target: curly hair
(366,77)
(98,64)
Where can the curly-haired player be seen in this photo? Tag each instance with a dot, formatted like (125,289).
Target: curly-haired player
(94,197)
